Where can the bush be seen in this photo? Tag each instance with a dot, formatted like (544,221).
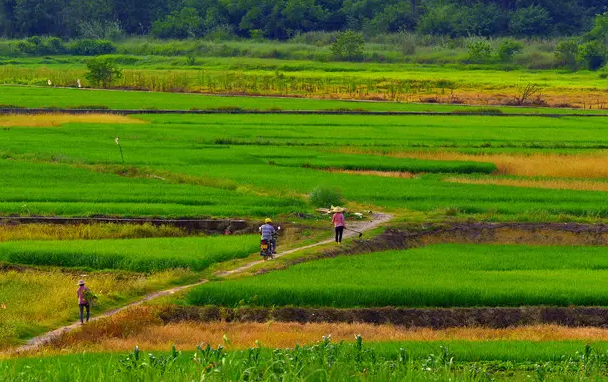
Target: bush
(102,71)
(348,45)
(507,49)
(566,54)
(479,51)
(88,47)
(325,197)
(38,46)
(592,55)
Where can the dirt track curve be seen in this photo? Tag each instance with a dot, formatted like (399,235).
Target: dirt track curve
(36,342)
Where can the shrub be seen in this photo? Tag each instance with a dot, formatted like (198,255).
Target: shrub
(190,59)
(38,46)
(479,51)
(348,45)
(507,49)
(592,55)
(566,54)
(102,71)
(325,197)
(88,47)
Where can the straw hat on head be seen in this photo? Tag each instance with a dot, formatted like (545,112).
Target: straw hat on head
(268,220)
(81,282)
(337,209)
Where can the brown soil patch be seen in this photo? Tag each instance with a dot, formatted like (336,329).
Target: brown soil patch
(549,165)
(54,120)
(582,185)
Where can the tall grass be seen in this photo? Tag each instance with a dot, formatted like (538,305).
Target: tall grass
(137,255)
(435,276)
(35,301)
(40,231)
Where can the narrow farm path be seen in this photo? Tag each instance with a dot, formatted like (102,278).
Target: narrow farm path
(33,344)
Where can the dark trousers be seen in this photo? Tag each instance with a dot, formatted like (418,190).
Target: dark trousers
(339,232)
(82,307)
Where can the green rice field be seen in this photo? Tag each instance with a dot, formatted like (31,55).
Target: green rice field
(73,98)
(447,275)
(268,164)
(136,255)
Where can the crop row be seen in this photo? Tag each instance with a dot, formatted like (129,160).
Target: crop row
(435,276)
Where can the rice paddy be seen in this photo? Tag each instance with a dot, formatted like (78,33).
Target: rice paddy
(443,169)
(136,255)
(474,275)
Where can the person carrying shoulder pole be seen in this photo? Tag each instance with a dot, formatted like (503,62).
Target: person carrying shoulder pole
(83,303)
(338,221)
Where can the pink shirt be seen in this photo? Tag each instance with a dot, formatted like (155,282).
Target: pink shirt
(81,291)
(338,219)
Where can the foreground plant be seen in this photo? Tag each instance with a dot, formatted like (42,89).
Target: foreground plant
(322,361)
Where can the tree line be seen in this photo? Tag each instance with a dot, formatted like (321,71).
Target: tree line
(283,19)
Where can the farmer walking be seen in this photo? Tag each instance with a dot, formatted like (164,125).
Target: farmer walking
(338,222)
(83,303)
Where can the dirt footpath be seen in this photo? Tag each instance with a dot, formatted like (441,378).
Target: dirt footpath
(33,344)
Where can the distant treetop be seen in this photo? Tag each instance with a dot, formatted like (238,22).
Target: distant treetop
(282,19)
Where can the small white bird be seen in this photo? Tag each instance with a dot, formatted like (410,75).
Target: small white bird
(116,140)
(49,82)
(78,82)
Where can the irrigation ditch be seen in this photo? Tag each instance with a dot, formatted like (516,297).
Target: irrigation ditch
(190,225)
(435,318)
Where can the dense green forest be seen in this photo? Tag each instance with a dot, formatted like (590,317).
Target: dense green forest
(282,19)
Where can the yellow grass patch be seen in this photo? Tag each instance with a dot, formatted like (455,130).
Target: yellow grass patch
(37,231)
(550,165)
(387,174)
(53,120)
(140,327)
(33,301)
(555,184)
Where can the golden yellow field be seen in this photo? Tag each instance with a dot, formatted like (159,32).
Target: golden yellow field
(54,120)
